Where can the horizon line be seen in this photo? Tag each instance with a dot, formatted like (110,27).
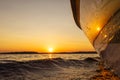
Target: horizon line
(33,52)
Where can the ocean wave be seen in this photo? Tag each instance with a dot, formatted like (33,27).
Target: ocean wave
(48,63)
(16,70)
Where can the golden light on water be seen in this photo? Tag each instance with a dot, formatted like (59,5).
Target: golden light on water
(50,50)
(50,56)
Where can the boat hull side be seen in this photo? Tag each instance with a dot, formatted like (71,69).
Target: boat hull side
(107,43)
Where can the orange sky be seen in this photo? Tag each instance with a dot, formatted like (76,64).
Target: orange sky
(36,25)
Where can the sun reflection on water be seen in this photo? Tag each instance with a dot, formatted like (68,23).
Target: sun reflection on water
(50,56)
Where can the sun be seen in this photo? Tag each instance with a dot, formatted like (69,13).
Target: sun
(50,49)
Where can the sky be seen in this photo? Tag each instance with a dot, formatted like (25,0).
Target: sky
(37,25)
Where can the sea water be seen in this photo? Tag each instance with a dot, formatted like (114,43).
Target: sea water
(27,57)
(47,66)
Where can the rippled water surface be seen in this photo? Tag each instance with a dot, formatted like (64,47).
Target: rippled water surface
(48,66)
(26,57)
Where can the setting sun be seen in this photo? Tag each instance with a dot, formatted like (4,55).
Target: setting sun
(50,49)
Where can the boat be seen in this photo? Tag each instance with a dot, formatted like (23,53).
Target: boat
(100,21)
